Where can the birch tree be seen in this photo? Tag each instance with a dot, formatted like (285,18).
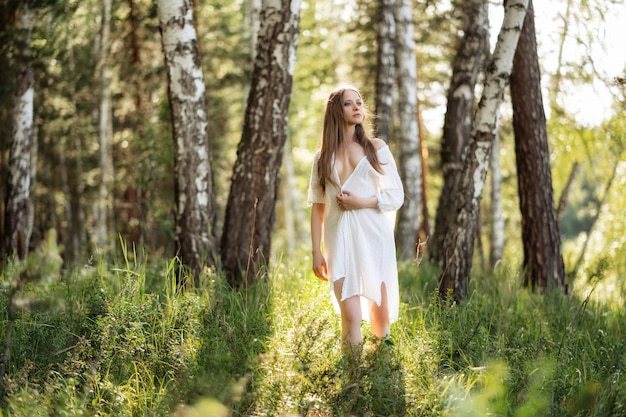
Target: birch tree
(410,162)
(250,210)
(194,206)
(16,215)
(458,244)
(468,63)
(543,263)
(385,35)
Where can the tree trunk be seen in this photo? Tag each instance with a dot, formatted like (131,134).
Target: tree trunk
(195,201)
(459,242)
(103,206)
(385,35)
(543,262)
(250,210)
(497,217)
(410,161)
(135,203)
(457,122)
(19,174)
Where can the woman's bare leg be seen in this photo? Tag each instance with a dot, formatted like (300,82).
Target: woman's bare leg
(379,315)
(350,317)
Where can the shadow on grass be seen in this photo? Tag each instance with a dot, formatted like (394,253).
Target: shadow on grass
(233,329)
(372,383)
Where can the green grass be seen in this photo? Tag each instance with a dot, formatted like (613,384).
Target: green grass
(121,339)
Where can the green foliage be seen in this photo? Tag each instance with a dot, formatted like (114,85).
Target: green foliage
(126,340)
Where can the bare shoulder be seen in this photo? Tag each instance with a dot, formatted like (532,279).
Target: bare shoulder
(378,143)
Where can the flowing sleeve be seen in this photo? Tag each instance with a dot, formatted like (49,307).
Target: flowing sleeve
(390,190)
(315,193)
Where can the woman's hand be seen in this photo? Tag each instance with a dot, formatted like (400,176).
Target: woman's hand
(319,266)
(347,201)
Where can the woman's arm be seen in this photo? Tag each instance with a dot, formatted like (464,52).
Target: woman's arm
(317,222)
(391,194)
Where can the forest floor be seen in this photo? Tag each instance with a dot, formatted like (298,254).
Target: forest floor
(122,339)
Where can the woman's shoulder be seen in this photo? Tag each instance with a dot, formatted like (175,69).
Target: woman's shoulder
(378,143)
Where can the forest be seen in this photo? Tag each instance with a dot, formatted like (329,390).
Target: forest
(155,236)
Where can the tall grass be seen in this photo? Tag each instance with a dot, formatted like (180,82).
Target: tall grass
(122,339)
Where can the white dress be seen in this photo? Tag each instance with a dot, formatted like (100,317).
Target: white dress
(359,244)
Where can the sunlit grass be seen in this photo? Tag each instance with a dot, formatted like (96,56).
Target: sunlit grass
(125,339)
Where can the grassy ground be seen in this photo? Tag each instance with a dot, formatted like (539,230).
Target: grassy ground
(121,340)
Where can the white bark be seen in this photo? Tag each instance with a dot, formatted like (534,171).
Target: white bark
(194,210)
(459,248)
(468,63)
(250,212)
(408,134)
(19,181)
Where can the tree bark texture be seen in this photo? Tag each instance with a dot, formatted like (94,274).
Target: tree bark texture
(459,240)
(195,206)
(16,222)
(104,205)
(468,63)
(385,35)
(250,210)
(410,161)
(543,262)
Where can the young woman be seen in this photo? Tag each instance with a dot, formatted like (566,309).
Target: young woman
(354,192)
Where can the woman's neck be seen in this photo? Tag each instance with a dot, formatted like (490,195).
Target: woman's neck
(348,133)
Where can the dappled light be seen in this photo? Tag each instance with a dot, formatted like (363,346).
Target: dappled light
(155,236)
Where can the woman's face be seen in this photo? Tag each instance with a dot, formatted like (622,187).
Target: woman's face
(353,112)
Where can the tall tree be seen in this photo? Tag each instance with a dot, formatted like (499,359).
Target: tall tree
(250,211)
(543,262)
(410,161)
(385,35)
(468,63)
(16,221)
(103,213)
(458,246)
(195,206)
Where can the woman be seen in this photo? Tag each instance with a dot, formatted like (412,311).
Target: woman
(354,191)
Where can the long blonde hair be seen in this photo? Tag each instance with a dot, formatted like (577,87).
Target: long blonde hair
(332,136)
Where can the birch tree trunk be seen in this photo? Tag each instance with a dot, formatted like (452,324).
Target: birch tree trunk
(385,35)
(410,162)
(543,262)
(103,206)
(195,200)
(16,213)
(468,63)
(459,240)
(250,210)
